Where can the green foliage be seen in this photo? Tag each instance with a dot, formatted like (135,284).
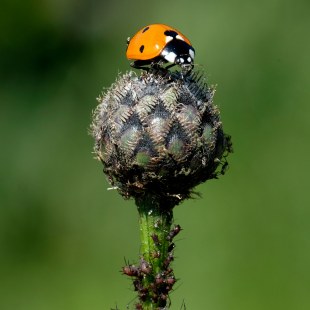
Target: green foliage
(63,236)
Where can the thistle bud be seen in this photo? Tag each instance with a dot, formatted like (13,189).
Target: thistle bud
(159,133)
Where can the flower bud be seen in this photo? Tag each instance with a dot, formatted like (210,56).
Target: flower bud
(160,134)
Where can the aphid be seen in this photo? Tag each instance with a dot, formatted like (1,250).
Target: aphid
(172,233)
(131,271)
(156,254)
(139,307)
(171,280)
(155,239)
(171,247)
(168,260)
(159,279)
(145,267)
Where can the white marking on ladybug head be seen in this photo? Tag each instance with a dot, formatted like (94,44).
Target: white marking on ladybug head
(169,56)
(179,37)
(189,59)
(168,39)
(192,53)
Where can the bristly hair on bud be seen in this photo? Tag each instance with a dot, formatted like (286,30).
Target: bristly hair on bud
(159,133)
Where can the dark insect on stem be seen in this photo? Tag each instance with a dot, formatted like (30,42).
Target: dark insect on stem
(168,271)
(155,239)
(171,247)
(172,233)
(156,254)
(139,307)
(171,280)
(145,267)
(137,285)
(159,279)
(143,294)
(168,260)
(131,271)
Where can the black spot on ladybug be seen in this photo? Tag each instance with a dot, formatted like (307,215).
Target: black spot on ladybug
(145,29)
(171,33)
(141,48)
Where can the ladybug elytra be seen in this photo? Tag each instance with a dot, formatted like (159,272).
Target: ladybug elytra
(157,44)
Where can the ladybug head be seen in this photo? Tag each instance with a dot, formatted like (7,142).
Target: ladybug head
(179,53)
(185,59)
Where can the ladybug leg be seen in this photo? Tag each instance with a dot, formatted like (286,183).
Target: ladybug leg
(156,66)
(138,64)
(170,66)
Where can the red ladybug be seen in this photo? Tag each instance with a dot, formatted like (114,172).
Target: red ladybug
(157,44)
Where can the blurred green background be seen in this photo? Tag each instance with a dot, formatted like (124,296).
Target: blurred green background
(63,236)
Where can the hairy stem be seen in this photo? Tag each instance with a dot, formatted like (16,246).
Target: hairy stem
(156,275)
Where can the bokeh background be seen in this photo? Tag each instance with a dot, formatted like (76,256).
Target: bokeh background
(63,236)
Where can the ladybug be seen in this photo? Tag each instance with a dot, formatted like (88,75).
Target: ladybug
(158,44)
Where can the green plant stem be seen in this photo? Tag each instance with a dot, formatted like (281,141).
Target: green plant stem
(155,219)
